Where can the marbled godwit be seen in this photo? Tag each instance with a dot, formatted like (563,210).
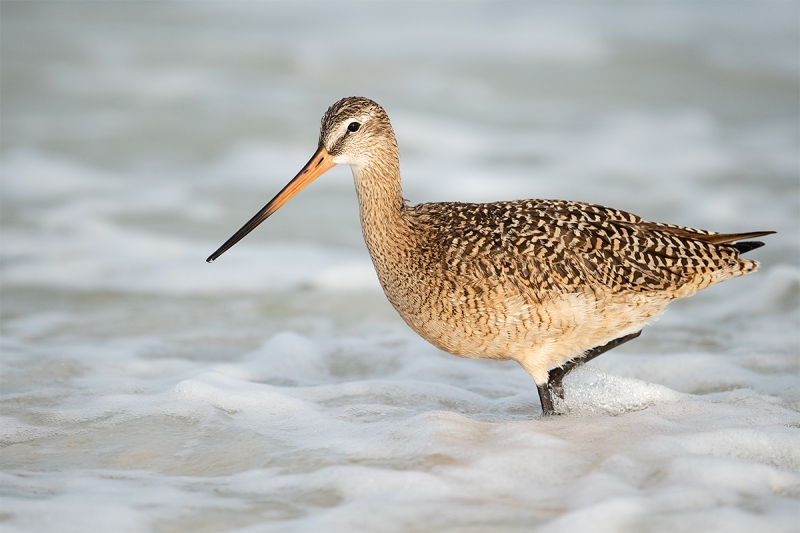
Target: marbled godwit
(548,283)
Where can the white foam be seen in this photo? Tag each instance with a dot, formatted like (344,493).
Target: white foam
(775,447)
(593,390)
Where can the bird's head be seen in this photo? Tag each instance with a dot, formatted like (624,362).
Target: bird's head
(355,131)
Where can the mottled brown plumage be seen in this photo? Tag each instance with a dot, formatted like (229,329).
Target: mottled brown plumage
(543,282)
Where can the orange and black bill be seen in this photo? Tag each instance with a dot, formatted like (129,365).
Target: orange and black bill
(319,163)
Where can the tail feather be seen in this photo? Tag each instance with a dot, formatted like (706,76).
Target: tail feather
(746,246)
(727,238)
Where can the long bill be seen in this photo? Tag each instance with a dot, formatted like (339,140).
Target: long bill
(319,163)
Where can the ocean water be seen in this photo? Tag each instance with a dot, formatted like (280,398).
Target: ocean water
(276,389)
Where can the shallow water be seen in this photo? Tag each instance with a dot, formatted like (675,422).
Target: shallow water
(276,390)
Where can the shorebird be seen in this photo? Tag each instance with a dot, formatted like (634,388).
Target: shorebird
(550,284)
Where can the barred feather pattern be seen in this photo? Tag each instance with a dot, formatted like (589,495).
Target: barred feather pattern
(547,246)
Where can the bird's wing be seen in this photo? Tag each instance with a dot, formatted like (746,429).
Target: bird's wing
(553,245)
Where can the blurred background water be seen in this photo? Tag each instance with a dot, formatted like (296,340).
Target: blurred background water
(276,390)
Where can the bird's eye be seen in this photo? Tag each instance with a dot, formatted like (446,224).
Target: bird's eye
(353,126)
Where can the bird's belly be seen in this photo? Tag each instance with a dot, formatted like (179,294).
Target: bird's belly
(509,326)
(496,323)
(509,329)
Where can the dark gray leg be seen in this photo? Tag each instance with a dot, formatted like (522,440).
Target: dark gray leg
(555,377)
(546,397)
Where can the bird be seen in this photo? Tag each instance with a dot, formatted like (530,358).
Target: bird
(550,284)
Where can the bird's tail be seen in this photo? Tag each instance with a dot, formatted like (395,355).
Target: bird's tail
(734,238)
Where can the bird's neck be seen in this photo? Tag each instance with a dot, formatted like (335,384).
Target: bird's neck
(388,231)
(381,206)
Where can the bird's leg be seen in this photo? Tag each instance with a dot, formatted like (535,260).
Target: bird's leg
(546,397)
(555,377)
